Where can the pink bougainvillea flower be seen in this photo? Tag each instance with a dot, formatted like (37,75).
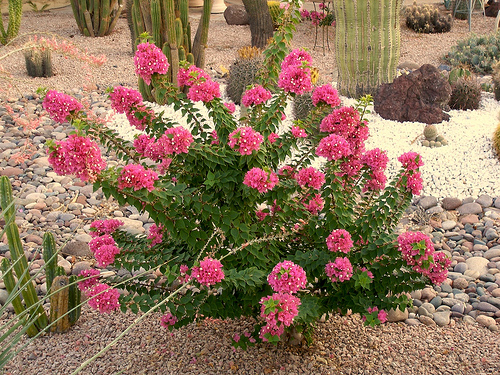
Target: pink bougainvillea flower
(175,141)
(79,156)
(209,272)
(60,106)
(123,98)
(287,277)
(148,60)
(205,91)
(191,76)
(375,159)
(298,132)
(315,204)
(100,227)
(256,95)
(168,320)
(105,249)
(246,140)
(339,270)
(333,147)
(260,180)
(339,241)
(103,298)
(325,94)
(286,308)
(155,234)
(137,177)
(411,161)
(91,277)
(310,177)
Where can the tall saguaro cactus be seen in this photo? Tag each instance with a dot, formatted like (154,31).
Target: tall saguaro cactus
(15,14)
(367,44)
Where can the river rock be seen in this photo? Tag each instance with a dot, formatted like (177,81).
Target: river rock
(442,318)
(485,321)
(478,264)
(470,208)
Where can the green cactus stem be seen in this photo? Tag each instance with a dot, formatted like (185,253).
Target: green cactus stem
(50,258)
(96,17)
(367,44)
(20,263)
(12,289)
(15,15)
(38,62)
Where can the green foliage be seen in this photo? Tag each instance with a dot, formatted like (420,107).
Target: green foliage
(205,208)
(15,15)
(276,12)
(96,17)
(426,19)
(478,52)
(465,94)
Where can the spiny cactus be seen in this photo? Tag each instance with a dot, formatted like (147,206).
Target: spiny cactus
(96,17)
(496,141)
(430,132)
(15,15)
(276,12)
(495,77)
(465,94)
(302,105)
(38,62)
(243,72)
(478,52)
(426,19)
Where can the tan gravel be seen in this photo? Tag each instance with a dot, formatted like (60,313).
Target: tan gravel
(342,345)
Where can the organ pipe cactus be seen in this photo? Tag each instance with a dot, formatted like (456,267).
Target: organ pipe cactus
(167,22)
(367,44)
(96,17)
(15,14)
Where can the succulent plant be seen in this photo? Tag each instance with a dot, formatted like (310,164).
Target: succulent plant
(38,62)
(242,72)
(302,105)
(430,132)
(465,94)
(276,13)
(15,15)
(432,138)
(478,52)
(426,19)
(495,77)
(496,141)
(96,17)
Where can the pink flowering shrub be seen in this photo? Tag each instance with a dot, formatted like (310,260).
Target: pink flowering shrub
(61,106)
(256,95)
(103,298)
(248,220)
(148,60)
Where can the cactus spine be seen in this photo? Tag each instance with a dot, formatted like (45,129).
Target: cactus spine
(20,263)
(96,17)
(15,14)
(367,44)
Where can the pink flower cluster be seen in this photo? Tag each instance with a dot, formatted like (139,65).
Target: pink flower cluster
(103,298)
(60,106)
(260,180)
(315,204)
(155,234)
(339,241)
(168,320)
(286,308)
(256,95)
(381,315)
(105,249)
(261,215)
(231,107)
(339,270)
(90,277)
(204,91)
(376,160)
(272,137)
(326,94)
(411,161)
(137,177)
(209,272)
(418,251)
(191,76)
(246,139)
(333,147)
(310,177)
(129,102)
(298,132)
(287,171)
(79,156)
(148,60)
(175,141)
(295,75)
(287,277)
(100,227)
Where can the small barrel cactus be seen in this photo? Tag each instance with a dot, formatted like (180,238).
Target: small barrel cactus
(430,132)
(432,138)
(302,105)
(38,62)
(465,94)
(496,141)
(426,19)
(243,72)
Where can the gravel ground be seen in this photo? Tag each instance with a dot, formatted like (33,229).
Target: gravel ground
(342,345)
